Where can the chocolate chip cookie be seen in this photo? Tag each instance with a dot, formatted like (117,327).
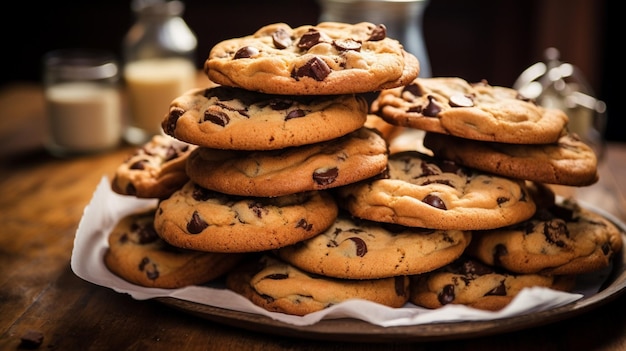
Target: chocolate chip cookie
(327,58)
(236,119)
(204,220)
(478,111)
(361,249)
(563,239)
(353,157)
(155,170)
(569,161)
(469,282)
(137,254)
(422,191)
(279,287)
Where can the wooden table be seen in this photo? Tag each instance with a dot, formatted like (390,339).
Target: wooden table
(42,200)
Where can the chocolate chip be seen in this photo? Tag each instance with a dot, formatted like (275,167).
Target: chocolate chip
(276,276)
(446,295)
(201,194)
(460,100)
(502,200)
(432,109)
(325,177)
(379,33)
(499,251)
(361,246)
(169,124)
(295,114)
(499,290)
(138,165)
(399,285)
(196,224)
(256,208)
(31,339)
(315,68)
(555,230)
(130,189)
(246,52)
(309,39)
(281,39)
(280,104)
(413,89)
(435,201)
(145,232)
(347,44)
(304,225)
(216,117)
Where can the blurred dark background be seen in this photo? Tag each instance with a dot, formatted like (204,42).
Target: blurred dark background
(473,39)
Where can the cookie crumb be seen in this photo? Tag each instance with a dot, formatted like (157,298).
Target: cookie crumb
(31,339)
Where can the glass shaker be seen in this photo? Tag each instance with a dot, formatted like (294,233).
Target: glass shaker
(561,85)
(403,19)
(159,54)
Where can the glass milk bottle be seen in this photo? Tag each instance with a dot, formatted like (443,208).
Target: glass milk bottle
(159,65)
(83,103)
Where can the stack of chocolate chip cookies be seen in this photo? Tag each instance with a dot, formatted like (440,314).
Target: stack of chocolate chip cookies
(278,178)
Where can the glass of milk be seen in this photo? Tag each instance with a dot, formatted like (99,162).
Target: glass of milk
(83,101)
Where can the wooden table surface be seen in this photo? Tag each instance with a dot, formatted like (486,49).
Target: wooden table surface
(42,200)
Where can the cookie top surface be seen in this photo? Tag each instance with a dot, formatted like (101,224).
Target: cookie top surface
(137,254)
(280,287)
(569,161)
(155,170)
(236,119)
(359,249)
(200,219)
(344,160)
(327,58)
(422,191)
(477,111)
(563,239)
(469,282)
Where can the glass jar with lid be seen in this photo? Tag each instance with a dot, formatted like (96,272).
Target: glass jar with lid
(159,53)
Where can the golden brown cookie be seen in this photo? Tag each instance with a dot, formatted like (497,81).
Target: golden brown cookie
(360,249)
(200,219)
(236,119)
(478,111)
(137,254)
(471,283)
(569,161)
(422,191)
(279,287)
(327,58)
(563,239)
(155,170)
(344,160)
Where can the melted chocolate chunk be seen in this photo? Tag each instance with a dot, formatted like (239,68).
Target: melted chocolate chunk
(309,39)
(500,290)
(432,109)
(297,113)
(216,117)
(413,89)
(145,232)
(196,225)
(446,295)
(435,201)
(347,44)
(281,39)
(315,68)
(325,177)
(151,270)
(460,100)
(130,189)
(169,125)
(361,246)
(139,165)
(555,230)
(276,276)
(304,225)
(279,104)
(499,250)
(399,286)
(246,52)
(379,33)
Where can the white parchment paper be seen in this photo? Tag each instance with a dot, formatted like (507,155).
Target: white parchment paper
(107,207)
